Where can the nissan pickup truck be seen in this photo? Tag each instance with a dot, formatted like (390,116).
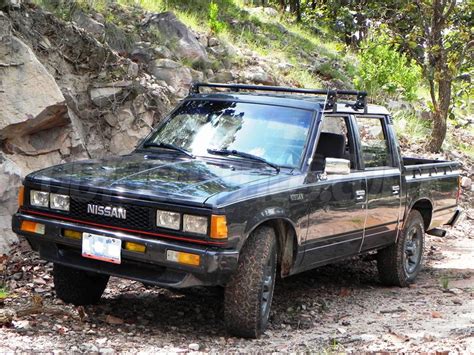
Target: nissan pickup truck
(239,184)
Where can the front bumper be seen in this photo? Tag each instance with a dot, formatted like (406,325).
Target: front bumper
(150,267)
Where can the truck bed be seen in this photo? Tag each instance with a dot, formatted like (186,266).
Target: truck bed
(435,184)
(420,166)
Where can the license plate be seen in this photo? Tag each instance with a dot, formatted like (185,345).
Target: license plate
(101,248)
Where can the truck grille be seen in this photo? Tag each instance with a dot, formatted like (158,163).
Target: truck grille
(137,217)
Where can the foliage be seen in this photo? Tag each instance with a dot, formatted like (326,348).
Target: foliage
(406,121)
(444,280)
(382,69)
(215,25)
(438,35)
(3,293)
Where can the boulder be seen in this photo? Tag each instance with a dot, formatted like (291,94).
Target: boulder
(22,110)
(10,181)
(10,3)
(87,23)
(177,35)
(173,73)
(258,76)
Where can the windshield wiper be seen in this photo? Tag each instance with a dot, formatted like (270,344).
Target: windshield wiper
(243,155)
(168,146)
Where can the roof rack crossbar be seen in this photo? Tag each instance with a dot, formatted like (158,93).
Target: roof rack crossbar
(331,95)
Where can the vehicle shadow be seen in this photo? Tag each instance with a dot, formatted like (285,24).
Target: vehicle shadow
(200,310)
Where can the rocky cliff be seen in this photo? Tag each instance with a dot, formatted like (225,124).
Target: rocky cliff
(86,88)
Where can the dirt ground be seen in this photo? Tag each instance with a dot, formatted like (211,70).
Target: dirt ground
(338,308)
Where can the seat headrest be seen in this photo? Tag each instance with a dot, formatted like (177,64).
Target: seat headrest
(331,145)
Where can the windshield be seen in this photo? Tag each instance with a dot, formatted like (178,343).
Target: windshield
(276,134)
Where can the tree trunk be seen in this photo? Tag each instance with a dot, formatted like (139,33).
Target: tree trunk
(282,5)
(441,111)
(438,134)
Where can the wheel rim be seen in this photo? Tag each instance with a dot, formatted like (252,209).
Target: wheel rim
(413,250)
(267,287)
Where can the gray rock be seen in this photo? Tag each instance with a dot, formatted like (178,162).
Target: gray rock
(213,41)
(104,97)
(194,347)
(10,3)
(87,23)
(466,182)
(258,76)
(142,53)
(281,28)
(22,110)
(223,77)
(173,73)
(285,67)
(162,52)
(177,34)
(132,70)
(197,75)
(10,181)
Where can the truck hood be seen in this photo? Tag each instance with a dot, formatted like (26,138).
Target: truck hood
(160,176)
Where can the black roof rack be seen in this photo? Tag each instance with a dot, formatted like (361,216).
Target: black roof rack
(331,95)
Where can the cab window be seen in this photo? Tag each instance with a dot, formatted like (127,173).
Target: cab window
(374,144)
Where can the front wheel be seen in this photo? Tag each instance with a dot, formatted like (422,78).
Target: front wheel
(399,264)
(78,287)
(248,295)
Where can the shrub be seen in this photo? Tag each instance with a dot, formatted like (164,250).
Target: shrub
(213,21)
(384,70)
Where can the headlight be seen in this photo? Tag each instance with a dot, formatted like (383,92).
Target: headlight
(39,198)
(59,202)
(168,219)
(195,224)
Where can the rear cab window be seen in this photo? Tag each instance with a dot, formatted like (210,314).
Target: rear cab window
(375,148)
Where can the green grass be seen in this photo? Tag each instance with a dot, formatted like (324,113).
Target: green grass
(3,293)
(410,127)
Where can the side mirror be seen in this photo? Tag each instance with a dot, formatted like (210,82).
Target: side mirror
(334,166)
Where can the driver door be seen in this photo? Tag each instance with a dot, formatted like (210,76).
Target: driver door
(338,204)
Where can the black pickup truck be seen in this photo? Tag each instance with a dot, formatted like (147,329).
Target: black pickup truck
(236,185)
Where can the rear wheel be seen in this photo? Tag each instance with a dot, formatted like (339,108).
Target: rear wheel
(77,286)
(249,294)
(399,264)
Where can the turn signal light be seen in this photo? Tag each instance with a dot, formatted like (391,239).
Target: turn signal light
(21,196)
(72,234)
(140,248)
(183,258)
(218,227)
(32,227)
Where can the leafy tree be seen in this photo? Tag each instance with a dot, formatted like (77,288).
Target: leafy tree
(438,35)
(383,69)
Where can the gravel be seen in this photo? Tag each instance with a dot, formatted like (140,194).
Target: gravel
(335,308)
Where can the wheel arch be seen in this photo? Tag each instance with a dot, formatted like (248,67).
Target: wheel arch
(287,241)
(425,207)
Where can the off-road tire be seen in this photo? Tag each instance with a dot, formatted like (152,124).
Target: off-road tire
(77,286)
(244,316)
(391,260)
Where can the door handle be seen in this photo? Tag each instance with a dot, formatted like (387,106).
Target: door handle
(395,189)
(360,195)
